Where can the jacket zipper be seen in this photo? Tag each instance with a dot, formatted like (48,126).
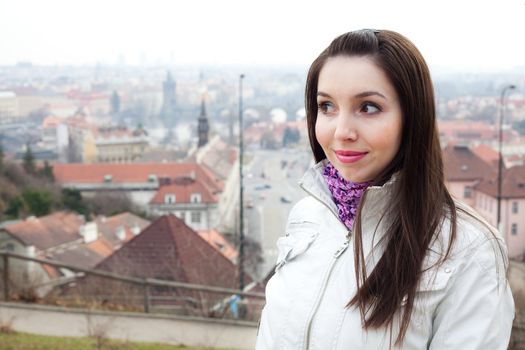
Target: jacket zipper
(337,254)
(322,290)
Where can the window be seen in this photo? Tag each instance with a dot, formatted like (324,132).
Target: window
(169,198)
(164,180)
(10,247)
(467,192)
(514,207)
(195,198)
(514,229)
(195,217)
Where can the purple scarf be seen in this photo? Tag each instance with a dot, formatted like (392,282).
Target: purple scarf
(346,194)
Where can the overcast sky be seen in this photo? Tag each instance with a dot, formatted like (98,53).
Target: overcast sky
(461,34)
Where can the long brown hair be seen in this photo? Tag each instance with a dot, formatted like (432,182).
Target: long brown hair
(420,201)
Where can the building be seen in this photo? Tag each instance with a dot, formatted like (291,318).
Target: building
(188,190)
(36,238)
(463,171)
(190,200)
(216,240)
(169,101)
(8,106)
(221,159)
(55,136)
(472,133)
(81,146)
(118,144)
(474,182)
(90,143)
(203,126)
(120,228)
(488,154)
(64,237)
(461,131)
(168,250)
(512,214)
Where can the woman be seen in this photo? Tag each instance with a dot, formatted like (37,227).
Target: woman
(378,255)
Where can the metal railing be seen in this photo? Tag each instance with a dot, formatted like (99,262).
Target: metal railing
(145,283)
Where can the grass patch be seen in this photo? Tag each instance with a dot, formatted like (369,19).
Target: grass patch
(24,341)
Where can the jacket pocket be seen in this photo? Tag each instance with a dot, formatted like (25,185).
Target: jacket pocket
(298,238)
(435,279)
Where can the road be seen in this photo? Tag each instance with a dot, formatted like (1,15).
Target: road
(280,171)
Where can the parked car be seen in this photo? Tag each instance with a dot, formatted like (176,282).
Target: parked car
(285,199)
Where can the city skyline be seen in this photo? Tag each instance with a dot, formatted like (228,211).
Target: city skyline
(465,35)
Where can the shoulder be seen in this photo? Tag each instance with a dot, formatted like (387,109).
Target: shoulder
(305,208)
(476,243)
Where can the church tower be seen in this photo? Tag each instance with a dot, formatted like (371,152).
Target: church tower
(168,112)
(203,127)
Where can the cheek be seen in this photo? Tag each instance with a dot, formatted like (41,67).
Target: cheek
(396,135)
(321,133)
(392,140)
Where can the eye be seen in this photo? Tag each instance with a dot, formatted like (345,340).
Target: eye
(370,108)
(325,107)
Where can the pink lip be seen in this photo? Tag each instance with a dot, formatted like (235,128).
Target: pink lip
(349,156)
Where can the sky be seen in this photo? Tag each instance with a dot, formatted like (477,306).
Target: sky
(466,35)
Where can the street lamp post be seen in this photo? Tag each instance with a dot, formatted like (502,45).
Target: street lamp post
(500,155)
(241,189)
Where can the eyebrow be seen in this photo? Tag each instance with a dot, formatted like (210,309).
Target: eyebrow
(359,95)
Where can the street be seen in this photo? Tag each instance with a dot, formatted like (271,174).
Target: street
(271,189)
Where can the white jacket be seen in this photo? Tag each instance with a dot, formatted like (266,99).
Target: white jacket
(463,304)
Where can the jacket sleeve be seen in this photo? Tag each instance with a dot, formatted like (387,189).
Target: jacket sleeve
(478,310)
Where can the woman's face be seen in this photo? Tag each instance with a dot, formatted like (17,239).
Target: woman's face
(359,118)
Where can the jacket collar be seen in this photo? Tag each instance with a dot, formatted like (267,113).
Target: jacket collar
(314,184)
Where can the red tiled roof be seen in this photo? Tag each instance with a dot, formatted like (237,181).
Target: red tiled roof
(513,184)
(168,249)
(183,188)
(81,256)
(109,226)
(86,255)
(461,125)
(47,231)
(461,164)
(79,122)
(130,173)
(51,122)
(220,243)
(101,246)
(487,153)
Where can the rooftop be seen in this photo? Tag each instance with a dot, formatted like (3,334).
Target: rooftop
(513,184)
(47,231)
(133,173)
(461,164)
(168,249)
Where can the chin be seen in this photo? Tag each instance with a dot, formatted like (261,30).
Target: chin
(351,177)
(350,174)
(354,177)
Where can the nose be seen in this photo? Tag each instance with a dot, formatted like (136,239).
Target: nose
(345,129)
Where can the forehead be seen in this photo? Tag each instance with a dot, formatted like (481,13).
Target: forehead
(353,75)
